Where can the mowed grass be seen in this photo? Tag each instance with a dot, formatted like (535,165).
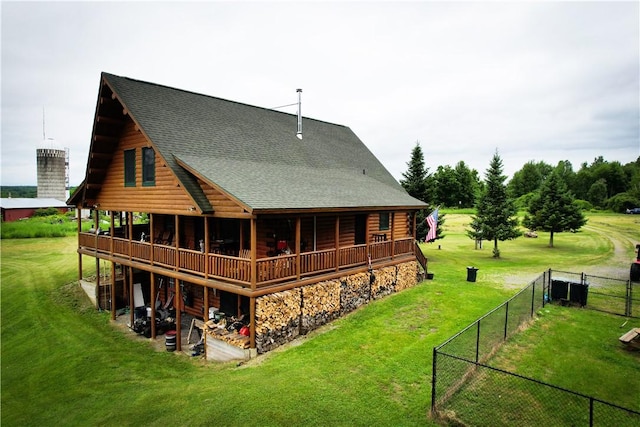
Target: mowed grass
(64,364)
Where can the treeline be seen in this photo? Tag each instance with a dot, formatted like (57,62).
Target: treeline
(19,191)
(600,185)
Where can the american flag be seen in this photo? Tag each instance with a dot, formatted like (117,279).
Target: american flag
(432,222)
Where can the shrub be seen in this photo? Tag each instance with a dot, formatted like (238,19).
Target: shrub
(623,201)
(46,212)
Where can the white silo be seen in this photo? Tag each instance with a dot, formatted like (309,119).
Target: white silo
(52,165)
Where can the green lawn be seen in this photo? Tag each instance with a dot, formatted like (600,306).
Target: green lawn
(63,364)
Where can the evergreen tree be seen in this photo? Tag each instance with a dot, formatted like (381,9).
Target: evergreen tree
(496,212)
(415,179)
(416,182)
(554,209)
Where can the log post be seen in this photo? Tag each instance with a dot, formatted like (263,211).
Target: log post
(152,238)
(254,253)
(205,304)
(337,240)
(113,289)
(298,228)
(252,322)
(96,222)
(111,232)
(130,232)
(79,219)
(207,246)
(153,305)
(367,239)
(177,241)
(177,303)
(131,299)
(393,237)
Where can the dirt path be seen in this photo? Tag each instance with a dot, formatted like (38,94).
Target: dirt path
(623,252)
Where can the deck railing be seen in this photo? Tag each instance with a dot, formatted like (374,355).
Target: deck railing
(164,255)
(352,255)
(237,269)
(121,246)
(140,251)
(191,261)
(317,262)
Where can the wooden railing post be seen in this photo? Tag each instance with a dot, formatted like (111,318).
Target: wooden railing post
(152,236)
(253,278)
(111,231)
(337,240)
(393,238)
(298,228)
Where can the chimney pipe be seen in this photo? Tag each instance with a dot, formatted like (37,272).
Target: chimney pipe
(299,132)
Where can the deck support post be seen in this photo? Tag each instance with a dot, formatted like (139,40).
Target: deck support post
(79,220)
(252,322)
(113,290)
(153,305)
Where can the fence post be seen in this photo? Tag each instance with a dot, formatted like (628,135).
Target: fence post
(478,343)
(629,298)
(544,288)
(591,412)
(506,320)
(433,382)
(533,296)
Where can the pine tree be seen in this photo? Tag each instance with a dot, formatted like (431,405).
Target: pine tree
(415,179)
(553,209)
(496,212)
(416,182)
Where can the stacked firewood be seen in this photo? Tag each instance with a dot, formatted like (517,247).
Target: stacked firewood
(277,319)
(385,282)
(220,332)
(407,275)
(355,291)
(320,304)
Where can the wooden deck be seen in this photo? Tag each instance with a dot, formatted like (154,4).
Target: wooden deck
(238,270)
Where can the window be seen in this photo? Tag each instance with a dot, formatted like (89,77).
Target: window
(148,166)
(384,220)
(130,168)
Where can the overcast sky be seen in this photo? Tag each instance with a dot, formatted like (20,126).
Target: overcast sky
(543,81)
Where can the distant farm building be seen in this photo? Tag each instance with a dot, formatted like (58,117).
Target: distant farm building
(19,208)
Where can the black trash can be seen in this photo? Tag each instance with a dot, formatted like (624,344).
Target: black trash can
(471,274)
(578,293)
(559,290)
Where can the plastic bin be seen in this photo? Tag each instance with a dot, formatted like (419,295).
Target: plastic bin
(471,274)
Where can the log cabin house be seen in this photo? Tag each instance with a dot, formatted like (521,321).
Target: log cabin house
(217,203)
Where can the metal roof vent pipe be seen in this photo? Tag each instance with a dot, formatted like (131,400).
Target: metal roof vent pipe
(299,132)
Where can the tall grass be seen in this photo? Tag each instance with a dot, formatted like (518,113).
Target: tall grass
(48,226)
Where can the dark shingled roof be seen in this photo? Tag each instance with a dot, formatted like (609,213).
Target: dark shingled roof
(253,153)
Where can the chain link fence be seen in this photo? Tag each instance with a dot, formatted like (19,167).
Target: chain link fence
(615,296)
(467,391)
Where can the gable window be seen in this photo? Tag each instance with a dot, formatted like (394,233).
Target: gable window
(148,166)
(130,168)
(384,220)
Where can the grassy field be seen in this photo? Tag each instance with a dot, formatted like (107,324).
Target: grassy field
(64,364)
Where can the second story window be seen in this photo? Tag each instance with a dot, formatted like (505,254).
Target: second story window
(130,168)
(384,220)
(148,166)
